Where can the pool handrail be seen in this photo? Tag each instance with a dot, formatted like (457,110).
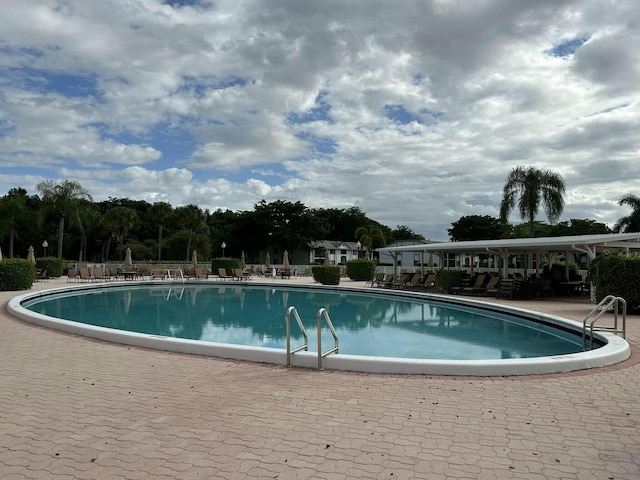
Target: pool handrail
(292,311)
(610,302)
(323,313)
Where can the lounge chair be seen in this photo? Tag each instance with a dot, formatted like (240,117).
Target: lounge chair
(85,276)
(238,274)
(428,283)
(222,274)
(401,281)
(202,273)
(476,286)
(377,280)
(414,281)
(41,275)
(284,273)
(71,275)
(491,288)
(98,275)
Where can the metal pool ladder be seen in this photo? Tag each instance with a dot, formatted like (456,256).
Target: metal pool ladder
(607,303)
(322,313)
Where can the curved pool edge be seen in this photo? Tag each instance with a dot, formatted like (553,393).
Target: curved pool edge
(615,350)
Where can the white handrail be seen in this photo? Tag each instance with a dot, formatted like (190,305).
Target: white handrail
(323,313)
(292,311)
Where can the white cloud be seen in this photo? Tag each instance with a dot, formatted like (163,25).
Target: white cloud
(227,76)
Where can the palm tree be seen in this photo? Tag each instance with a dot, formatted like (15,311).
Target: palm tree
(120,220)
(367,236)
(159,213)
(629,223)
(194,220)
(528,187)
(13,211)
(63,198)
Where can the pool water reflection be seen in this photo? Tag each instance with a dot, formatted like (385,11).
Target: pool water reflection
(371,325)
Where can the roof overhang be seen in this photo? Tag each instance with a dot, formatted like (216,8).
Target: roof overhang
(590,244)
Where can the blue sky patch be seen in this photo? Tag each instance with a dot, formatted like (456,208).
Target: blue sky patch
(568,47)
(319,145)
(318,113)
(64,84)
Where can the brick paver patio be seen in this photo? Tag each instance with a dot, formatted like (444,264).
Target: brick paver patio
(76,408)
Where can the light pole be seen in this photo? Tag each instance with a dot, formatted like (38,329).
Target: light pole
(359,245)
(45,244)
(224,245)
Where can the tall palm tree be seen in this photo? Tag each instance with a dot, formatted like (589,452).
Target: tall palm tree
(367,236)
(193,219)
(528,187)
(13,210)
(120,220)
(159,213)
(63,198)
(629,223)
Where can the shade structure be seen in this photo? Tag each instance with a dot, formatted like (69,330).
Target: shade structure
(31,256)
(243,261)
(127,258)
(267,262)
(194,258)
(285,259)
(327,259)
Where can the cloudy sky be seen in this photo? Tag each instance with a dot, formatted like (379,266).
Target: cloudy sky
(414,111)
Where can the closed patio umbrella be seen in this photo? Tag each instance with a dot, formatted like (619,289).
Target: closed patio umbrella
(128,262)
(285,259)
(327,259)
(194,259)
(243,261)
(267,262)
(31,256)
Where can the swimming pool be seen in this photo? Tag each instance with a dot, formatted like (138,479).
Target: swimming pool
(387,331)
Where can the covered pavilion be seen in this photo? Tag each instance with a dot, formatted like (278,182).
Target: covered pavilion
(587,244)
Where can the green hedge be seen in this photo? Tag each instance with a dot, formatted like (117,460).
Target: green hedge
(52,265)
(326,275)
(445,279)
(16,274)
(223,262)
(361,270)
(617,274)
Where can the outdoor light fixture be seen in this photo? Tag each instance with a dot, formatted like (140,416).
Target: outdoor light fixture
(224,245)
(45,244)
(359,245)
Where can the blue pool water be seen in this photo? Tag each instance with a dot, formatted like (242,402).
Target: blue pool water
(374,325)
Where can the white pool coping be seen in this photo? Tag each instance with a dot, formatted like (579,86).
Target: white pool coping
(614,351)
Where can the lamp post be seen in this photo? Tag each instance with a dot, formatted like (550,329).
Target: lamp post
(359,245)
(45,244)
(224,245)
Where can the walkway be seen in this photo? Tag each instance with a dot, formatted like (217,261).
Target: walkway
(76,408)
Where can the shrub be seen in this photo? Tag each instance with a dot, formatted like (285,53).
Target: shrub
(223,262)
(361,269)
(326,275)
(617,274)
(445,279)
(52,265)
(16,274)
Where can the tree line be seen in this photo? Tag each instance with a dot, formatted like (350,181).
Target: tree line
(75,227)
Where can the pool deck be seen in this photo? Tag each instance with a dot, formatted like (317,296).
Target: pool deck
(78,408)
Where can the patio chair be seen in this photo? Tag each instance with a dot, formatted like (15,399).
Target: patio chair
(490,287)
(71,275)
(222,274)
(428,282)
(477,285)
(238,274)
(98,275)
(85,276)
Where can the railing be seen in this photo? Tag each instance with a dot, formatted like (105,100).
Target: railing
(610,302)
(322,313)
(294,312)
(177,274)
